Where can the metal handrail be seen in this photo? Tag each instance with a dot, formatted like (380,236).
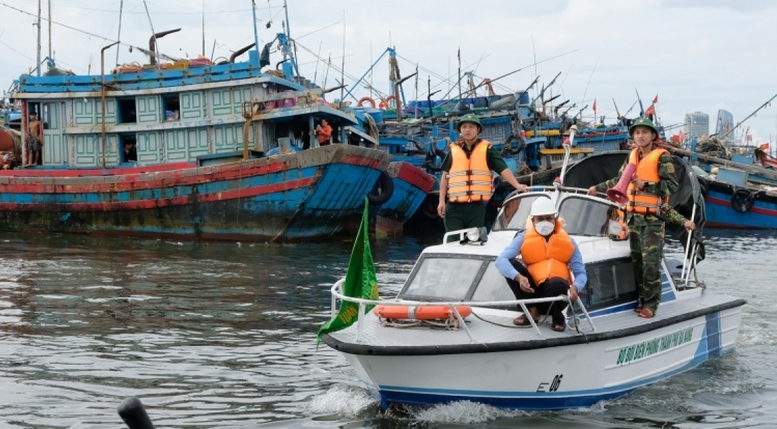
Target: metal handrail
(337,294)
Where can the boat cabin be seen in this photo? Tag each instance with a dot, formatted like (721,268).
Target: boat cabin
(156,116)
(446,273)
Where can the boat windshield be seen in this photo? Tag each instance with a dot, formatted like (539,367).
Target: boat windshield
(456,278)
(443,277)
(581,214)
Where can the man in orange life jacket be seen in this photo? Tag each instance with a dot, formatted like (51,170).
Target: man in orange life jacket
(647,211)
(547,254)
(467,184)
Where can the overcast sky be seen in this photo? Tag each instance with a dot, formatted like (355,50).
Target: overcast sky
(695,55)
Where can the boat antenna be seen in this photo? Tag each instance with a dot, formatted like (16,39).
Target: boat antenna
(458,55)
(203,28)
(318,60)
(567,151)
(118,34)
(641,108)
(585,92)
(328,66)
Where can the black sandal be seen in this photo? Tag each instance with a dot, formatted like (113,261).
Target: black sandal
(523,321)
(559,323)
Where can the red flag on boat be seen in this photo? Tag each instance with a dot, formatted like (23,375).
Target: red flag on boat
(651,111)
(749,138)
(594,106)
(682,136)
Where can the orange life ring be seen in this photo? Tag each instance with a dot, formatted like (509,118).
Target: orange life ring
(384,104)
(419,312)
(367,99)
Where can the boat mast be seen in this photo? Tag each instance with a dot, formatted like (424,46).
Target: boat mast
(342,66)
(50,56)
(38,65)
(118,35)
(292,55)
(749,116)
(256,33)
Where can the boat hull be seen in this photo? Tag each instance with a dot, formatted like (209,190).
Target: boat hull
(411,186)
(719,201)
(289,197)
(558,377)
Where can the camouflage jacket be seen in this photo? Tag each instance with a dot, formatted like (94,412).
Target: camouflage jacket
(664,187)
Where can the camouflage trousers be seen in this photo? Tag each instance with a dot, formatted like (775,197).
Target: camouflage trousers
(647,247)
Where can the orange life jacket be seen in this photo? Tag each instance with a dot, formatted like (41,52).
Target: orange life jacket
(647,170)
(620,217)
(469,179)
(546,259)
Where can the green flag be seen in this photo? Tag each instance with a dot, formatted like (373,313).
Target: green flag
(360,280)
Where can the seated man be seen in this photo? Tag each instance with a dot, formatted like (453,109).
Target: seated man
(547,253)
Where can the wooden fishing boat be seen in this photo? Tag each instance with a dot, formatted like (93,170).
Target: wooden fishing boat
(217,154)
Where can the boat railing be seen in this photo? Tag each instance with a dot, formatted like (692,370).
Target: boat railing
(338,295)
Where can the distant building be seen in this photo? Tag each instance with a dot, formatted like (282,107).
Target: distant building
(697,124)
(725,122)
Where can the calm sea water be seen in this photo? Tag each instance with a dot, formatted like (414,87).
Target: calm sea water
(223,335)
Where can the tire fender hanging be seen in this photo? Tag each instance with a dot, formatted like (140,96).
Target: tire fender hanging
(382,190)
(742,200)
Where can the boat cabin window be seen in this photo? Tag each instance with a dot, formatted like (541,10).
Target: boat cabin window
(443,278)
(448,278)
(171,105)
(515,212)
(127,112)
(582,215)
(609,283)
(586,216)
(492,286)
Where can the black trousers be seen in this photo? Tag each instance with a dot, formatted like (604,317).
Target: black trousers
(551,287)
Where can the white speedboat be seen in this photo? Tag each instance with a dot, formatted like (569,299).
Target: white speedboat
(469,349)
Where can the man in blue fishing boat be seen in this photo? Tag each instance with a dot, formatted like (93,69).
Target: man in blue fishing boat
(467,183)
(538,262)
(647,210)
(34,140)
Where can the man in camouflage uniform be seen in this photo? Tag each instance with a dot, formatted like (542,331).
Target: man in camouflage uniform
(466,185)
(648,211)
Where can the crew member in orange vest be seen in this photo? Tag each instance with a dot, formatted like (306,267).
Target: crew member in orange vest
(547,256)
(467,183)
(647,211)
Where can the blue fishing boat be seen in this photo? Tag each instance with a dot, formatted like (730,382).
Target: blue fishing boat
(406,190)
(189,149)
(733,202)
(738,193)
